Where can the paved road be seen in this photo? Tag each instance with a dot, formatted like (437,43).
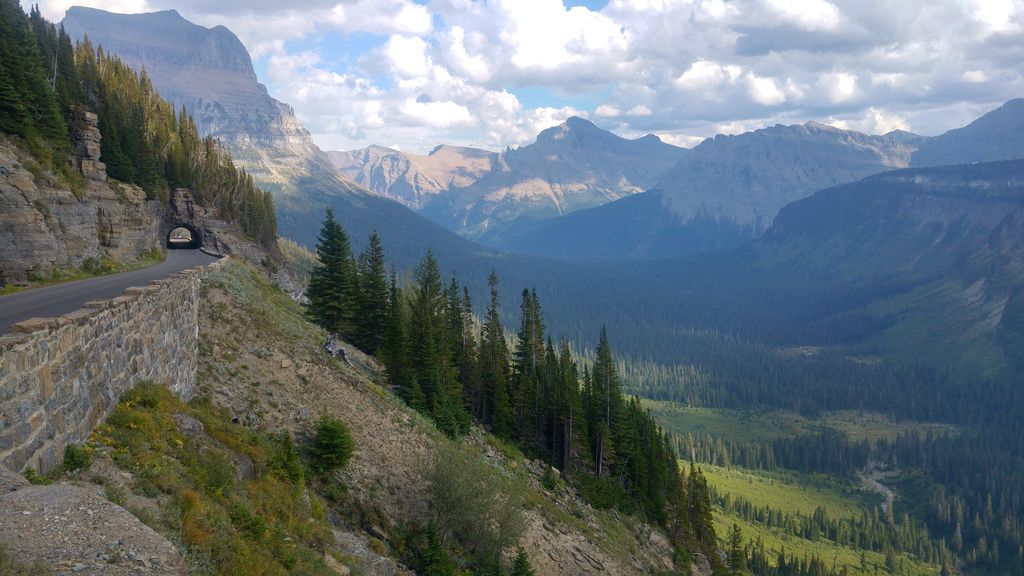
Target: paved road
(61,299)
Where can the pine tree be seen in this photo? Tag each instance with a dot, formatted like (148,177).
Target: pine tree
(699,507)
(470,372)
(521,565)
(395,351)
(527,361)
(425,332)
(574,439)
(332,287)
(737,557)
(494,368)
(374,297)
(604,405)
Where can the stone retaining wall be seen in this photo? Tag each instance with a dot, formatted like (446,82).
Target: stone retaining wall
(60,377)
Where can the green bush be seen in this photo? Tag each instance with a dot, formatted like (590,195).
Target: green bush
(603,494)
(478,505)
(332,446)
(33,477)
(77,458)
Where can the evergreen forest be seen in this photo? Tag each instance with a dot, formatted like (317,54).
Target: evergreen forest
(460,369)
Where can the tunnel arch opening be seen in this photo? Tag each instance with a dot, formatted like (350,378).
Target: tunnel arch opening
(184,236)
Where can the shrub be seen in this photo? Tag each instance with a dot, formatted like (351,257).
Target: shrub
(332,446)
(475,503)
(77,458)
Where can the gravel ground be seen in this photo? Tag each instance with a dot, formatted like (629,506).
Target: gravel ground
(74,531)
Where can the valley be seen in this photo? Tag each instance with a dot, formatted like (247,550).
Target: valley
(792,348)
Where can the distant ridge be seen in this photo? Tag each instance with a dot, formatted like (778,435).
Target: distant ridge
(998,135)
(477,193)
(411,179)
(720,194)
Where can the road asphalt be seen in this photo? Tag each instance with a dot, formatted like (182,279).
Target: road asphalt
(61,299)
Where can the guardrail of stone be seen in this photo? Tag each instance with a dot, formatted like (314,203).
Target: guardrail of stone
(60,377)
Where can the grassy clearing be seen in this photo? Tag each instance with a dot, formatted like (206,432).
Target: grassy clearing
(795,494)
(760,425)
(272,311)
(790,493)
(871,426)
(739,425)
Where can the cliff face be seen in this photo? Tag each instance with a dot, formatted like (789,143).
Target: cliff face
(209,72)
(44,226)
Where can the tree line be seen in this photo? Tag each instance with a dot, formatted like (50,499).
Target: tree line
(870,531)
(965,500)
(47,83)
(459,368)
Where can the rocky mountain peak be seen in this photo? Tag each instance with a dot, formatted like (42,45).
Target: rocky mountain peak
(814,125)
(209,71)
(576,131)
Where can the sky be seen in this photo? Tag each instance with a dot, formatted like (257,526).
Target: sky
(414,74)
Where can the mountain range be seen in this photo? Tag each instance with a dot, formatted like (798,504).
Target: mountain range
(718,195)
(921,263)
(479,194)
(580,192)
(412,179)
(998,135)
(721,193)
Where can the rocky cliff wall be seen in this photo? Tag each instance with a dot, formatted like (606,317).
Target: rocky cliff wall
(61,377)
(47,226)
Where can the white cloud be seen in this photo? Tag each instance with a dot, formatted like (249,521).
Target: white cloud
(807,14)
(381,17)
(702,76)
(407,56)
(457,56)
(997,15)
(974,76)
(449,70)
(764,91)
(840,86)
(437,114)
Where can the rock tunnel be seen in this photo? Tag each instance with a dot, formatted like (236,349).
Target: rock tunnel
(184,236)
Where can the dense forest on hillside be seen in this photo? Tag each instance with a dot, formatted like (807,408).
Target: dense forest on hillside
(964,488)
(46,84)
(532,393)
